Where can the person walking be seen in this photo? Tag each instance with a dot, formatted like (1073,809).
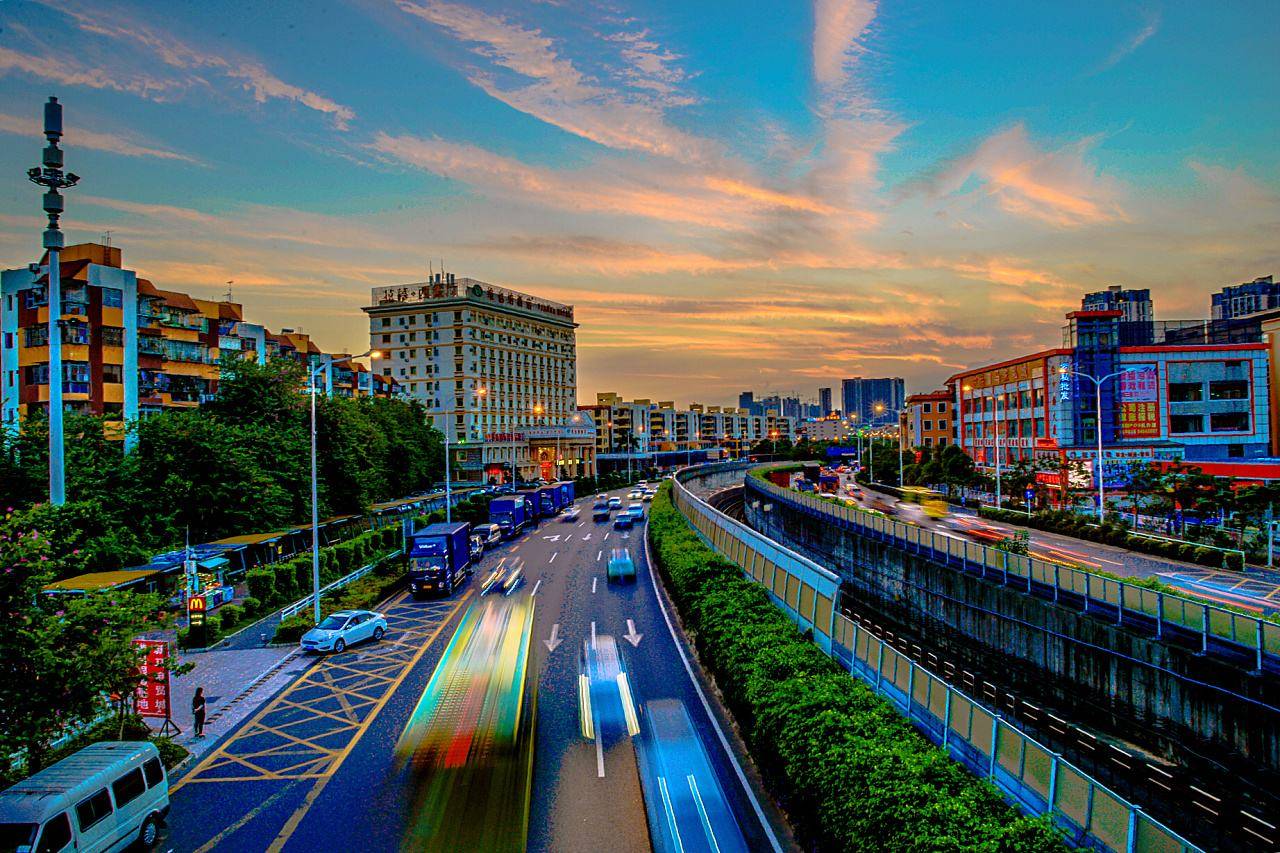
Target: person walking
(197,710)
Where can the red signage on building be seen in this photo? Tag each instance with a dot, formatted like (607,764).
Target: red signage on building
(1140,403)
(152,695)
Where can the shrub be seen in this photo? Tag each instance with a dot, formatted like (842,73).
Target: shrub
(262,585)
(291,630)
(1233,560)
(230,614)
(1207,556)
(1187,552)
(853,773)
(251,606)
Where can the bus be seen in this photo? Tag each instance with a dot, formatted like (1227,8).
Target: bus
(929,500)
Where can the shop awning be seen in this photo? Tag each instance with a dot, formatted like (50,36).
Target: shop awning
(211,564)
(94,581)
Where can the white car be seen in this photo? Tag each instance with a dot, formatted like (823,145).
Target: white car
(615,502)
(570,514)
(344,628)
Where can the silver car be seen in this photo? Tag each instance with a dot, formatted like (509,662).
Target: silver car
(344,628)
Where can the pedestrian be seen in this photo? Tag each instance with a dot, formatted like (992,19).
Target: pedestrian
(197,710)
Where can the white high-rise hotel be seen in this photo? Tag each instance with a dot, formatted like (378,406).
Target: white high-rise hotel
(496,370)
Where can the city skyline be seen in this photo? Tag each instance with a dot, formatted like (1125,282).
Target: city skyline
(693,194)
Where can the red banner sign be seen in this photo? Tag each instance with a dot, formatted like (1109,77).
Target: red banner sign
(152,695)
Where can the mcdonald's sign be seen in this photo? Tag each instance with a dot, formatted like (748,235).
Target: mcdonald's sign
(196,607)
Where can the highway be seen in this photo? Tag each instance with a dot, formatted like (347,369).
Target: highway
(315,768)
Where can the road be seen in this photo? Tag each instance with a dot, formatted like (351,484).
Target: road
(314,768)
(1255,590)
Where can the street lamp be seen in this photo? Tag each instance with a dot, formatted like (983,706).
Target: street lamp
(315,506)
(1097,426)
(773,439)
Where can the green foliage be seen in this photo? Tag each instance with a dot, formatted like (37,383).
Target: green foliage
(130,727)
(362,594)
(851,771)
(240,464)
(60,657)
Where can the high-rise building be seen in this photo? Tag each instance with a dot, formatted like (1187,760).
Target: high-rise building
(1135,305)
(1261,294)
(872,401)
(824,402)
(791,408)
(496,370)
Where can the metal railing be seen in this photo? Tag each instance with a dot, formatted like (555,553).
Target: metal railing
(1216,631)
(1033,777)
(303,604)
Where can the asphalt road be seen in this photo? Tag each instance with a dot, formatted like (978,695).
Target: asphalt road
(314,768)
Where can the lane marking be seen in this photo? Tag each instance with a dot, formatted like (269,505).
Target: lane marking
(598,555)
(599,754)
(291,825)
(606,536)
(535,588)
(715,723)
(594,578)
(671,815)
(702,812)
(553,557)
(593,636)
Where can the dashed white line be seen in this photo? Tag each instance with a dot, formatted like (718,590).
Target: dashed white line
(553,557)
(606,537)
(535,588)
(593,635)
(599,554)
(593,584)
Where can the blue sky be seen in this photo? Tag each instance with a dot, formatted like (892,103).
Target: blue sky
(734,195)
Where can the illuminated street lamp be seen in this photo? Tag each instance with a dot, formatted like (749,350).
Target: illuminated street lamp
(315,506)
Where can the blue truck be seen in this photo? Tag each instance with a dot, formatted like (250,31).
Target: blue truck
(564,491)
(439,558)
(548,498)
(509,513)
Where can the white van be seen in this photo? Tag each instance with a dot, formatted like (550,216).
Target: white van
(103,798)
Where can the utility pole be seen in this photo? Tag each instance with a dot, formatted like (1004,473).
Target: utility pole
(52,178)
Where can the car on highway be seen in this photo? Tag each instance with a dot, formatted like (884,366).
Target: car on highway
(636,509)
(621,567)
(570,514)
(491,533)
(624,521)
(477,547)
(648,497)
(635,494)
(600,512)
(344,628)
(615,502)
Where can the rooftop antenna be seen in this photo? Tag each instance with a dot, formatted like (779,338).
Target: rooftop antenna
(229,290)
(106,238)
(50,176)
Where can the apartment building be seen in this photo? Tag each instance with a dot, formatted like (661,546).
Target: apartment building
(496,370)
(927,419)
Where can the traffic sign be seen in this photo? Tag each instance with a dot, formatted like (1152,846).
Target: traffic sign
(151,699)
(196,607)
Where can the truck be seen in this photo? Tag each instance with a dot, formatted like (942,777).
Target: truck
(510,514)
(439,558)
(548,501)
(564,490)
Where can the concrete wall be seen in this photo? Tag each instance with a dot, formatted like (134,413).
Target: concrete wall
(1172,700)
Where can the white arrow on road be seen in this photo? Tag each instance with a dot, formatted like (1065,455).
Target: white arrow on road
(632,637)
(586,537)
(555,638)
(554,538)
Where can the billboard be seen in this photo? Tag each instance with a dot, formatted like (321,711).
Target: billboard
(1139,400)
(152,695)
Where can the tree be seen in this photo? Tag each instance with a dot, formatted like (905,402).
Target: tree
(60,659)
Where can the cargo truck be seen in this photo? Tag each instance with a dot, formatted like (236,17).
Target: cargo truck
(439,558)
(548,498)
(565,493)
(510,514)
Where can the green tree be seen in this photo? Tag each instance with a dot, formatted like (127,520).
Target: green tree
(60,659)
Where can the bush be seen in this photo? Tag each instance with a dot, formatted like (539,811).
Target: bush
(251,606)
(852,772)
(230,614)
(262,585)
(291,630)
(1207,556)
(1187,552)
(1233,560)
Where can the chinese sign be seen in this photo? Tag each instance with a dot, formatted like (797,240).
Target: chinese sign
(152,695)
(1139,403)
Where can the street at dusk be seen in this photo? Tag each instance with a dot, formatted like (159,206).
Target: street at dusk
(448,425)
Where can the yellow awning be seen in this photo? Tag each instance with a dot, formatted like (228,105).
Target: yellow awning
(94,581)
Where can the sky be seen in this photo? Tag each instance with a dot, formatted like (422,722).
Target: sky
(733,195)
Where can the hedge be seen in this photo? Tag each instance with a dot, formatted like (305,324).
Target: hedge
(361,594)
(852,773)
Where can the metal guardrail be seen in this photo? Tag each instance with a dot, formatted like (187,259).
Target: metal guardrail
(1231,636)
(1033,777)
(300,605)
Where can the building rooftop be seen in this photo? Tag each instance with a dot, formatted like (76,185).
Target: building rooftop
(448,287)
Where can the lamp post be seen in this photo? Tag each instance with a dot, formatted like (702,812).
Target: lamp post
(900,453)
(773,442)
(1097,427)
(480,395)
(315,504)
(878,408)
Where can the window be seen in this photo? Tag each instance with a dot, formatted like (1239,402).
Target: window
(1229,422)
(942,407)
(926,424)
(112,298)
(93,809)
(112,373)
(1186,423)
(386,339)
(35,336)
(386,321)
(128,787)
(928,407)
(56,835)
(1229,389)
(1185,392)
(154,772)
(942,423)
(112,336)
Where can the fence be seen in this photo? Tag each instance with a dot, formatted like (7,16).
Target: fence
(1036,779)
(304,603)
(1215,631)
